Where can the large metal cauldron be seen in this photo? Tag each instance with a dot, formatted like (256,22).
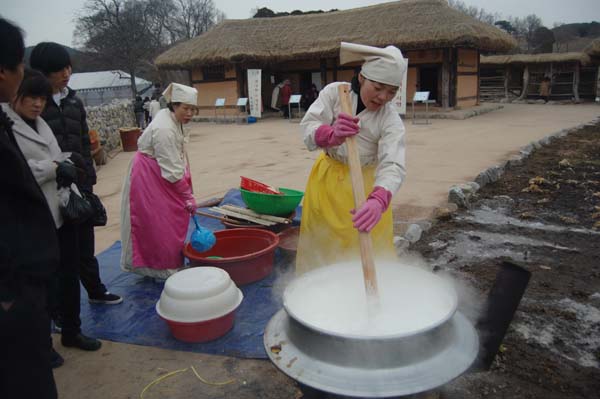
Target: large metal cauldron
(367,366)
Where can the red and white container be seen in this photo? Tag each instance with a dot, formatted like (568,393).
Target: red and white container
(199,304)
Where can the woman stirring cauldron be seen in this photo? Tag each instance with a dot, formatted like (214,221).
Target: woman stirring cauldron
(157,194)
(330,224)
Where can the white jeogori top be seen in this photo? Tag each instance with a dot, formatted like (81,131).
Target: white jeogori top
(164,140)
(380,140)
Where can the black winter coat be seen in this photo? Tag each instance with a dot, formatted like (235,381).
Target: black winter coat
(28,241)
(69,124)
(138,106)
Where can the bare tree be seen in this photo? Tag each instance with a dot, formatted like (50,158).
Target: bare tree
(478,13)
(194,18)
(532,23)
(129,34)
(118,31)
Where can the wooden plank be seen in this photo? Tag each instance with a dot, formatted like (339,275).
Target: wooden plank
(358,189)
(242,216)
(250,212)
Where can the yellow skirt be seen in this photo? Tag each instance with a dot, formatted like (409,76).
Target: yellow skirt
(327,235)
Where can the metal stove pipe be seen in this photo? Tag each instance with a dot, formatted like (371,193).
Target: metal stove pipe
(502,303)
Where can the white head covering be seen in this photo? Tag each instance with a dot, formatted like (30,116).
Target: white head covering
(178,93)
(383,65)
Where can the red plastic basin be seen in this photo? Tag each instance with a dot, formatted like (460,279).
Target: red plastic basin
(246,254)
(201,331)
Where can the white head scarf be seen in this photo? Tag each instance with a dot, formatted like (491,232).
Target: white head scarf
(178,93)
(383,65)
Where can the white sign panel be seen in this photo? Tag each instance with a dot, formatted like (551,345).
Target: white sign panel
(220,102)
(254,76)
(421,96)
(295,98)
(400,100)
(242,101)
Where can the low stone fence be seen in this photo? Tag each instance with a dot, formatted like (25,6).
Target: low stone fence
(462,195)
(107,119)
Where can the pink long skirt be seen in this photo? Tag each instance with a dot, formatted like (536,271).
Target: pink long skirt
(159,221)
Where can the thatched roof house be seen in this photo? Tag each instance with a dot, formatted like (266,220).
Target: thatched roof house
(276,45)
(593,49)
(520,76)
(409,24)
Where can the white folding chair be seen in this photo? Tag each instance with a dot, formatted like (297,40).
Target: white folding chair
(220,103)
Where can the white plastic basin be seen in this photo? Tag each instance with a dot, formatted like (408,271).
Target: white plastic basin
(198,294)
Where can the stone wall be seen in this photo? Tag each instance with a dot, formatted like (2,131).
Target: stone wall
(107,119)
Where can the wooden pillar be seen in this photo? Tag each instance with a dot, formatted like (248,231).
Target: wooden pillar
(506,80)
(525,83)
(446,79)
(453,77)
(576,82)
(478,77)
(239,75)
(598,84)
(323,72)
(335,68)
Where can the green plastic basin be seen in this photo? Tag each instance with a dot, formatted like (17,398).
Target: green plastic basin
(273,204)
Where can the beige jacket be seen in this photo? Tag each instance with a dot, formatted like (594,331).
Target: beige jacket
(41,150)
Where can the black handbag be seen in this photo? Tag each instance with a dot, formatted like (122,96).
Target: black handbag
(99,217)
(77,209)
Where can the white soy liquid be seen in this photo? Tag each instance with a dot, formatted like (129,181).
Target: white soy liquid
(333,299)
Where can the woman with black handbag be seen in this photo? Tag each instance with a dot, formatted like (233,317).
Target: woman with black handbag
(55,174)
(65,114)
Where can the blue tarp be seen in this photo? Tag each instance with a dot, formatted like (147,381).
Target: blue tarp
(135,320)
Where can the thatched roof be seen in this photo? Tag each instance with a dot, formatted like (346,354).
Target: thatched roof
(593,49)
(544,58)
(408,24)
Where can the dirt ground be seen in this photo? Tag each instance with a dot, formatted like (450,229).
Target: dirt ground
(439,155)
(544,214)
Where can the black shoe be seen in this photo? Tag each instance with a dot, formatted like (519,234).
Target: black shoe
(106,299)
(57,325)
(56,360)
(81,341)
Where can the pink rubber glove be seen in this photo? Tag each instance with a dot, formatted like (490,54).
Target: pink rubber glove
(191,205)
(369,214)
(184,189)
(330,136)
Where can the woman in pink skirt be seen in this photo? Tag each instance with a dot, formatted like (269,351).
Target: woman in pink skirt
(157,194)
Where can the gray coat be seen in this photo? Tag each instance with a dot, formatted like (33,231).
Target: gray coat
(40,149)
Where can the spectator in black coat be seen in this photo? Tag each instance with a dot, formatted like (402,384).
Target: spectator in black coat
(29,250)
(66,116)
(138,109)
(146,106)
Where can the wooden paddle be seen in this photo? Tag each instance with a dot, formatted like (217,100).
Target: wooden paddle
(358,189)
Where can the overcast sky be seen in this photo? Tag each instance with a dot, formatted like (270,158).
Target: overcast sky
(53,20)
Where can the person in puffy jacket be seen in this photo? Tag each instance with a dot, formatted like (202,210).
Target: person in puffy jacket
(138,110)
(65,114)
